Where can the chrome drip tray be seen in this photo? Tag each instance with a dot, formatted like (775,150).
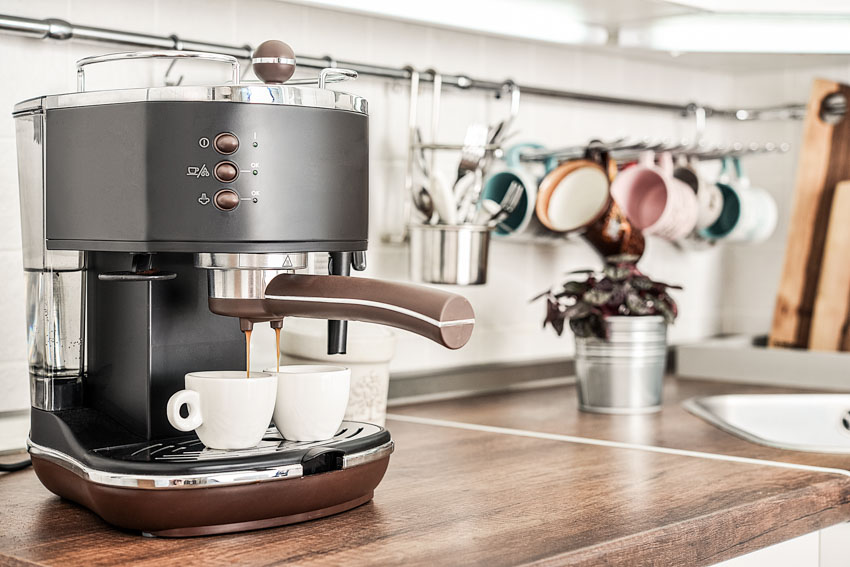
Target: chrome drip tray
(189,449)
(76,440)
(184,462)
(818,423)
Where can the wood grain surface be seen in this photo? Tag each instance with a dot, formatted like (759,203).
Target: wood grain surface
(824,162)
(555,410)
(458,497)
(465,497)
(831,320)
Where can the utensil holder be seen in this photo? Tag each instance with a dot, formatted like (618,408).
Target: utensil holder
(449,254)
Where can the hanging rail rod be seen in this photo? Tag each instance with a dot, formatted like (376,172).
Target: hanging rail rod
(630,148)
(53,28)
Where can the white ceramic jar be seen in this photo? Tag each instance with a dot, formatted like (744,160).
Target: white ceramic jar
(370,350)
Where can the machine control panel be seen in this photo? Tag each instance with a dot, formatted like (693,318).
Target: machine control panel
(226,171)
(229,177)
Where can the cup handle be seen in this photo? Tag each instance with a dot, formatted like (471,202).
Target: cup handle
(723,176)
(742,178)
(646,158)
(193,401)
(512,156)
(665,160)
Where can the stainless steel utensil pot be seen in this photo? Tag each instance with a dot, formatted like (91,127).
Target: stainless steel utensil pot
(447,254)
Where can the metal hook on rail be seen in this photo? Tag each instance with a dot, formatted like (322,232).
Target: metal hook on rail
(177,46)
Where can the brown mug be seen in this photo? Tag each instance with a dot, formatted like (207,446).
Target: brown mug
(611,233)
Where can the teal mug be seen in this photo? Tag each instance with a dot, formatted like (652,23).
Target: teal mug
(730,211)
(496,186)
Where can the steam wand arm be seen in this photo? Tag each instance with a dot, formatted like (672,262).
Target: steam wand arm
(444,317)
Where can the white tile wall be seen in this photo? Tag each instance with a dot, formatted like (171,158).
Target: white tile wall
(508,326)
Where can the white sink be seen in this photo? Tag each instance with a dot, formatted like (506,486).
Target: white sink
(818,423)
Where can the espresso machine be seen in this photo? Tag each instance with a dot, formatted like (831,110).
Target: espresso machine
(158,225)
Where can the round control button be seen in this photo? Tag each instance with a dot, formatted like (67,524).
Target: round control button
(226,200)
(226,143)
(226,171)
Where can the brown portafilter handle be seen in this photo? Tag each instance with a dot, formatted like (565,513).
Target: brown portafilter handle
(273,61)
(443,317)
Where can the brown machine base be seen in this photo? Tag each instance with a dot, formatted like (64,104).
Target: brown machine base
(185,512)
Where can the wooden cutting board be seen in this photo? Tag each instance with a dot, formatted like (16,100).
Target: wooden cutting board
(831,320)
(824,162)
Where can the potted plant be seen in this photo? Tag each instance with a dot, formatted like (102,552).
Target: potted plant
(619,318)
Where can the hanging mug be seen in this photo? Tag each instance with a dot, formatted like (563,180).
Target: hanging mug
(573,195)
(709,198)
(496,185)
(612,233)
(758,210)
(730,210)
(654,200)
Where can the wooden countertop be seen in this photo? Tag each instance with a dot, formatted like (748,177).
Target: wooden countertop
(554,410)
(461,496)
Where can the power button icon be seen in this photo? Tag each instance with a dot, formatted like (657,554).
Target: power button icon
(204,142)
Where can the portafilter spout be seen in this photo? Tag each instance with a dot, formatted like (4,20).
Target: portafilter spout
(245,277)
(443,317)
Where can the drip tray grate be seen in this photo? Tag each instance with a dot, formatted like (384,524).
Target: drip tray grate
(189,449)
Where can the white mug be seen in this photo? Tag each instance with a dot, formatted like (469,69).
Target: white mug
(225,408)
(311,400)
(709,197)
(758,210)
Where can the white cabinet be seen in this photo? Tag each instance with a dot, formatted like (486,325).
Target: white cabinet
(827,548)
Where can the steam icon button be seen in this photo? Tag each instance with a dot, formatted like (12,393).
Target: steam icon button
(203,199)
(226,200)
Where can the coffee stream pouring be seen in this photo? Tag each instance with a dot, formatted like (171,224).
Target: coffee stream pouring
(206,202)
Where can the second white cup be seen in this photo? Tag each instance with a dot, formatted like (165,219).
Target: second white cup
(311,400)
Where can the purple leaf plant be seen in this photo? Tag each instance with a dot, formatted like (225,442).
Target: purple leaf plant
(620,289)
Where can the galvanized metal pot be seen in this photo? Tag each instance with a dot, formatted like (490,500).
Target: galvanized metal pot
(623,373)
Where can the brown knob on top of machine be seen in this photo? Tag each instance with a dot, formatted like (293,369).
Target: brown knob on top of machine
(273,62)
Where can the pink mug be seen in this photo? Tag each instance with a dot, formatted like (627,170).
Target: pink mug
(655,201)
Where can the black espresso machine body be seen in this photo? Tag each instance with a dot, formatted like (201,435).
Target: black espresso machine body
(140,209)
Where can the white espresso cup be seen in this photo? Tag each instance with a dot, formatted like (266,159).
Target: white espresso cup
(311,400)
(226,409)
